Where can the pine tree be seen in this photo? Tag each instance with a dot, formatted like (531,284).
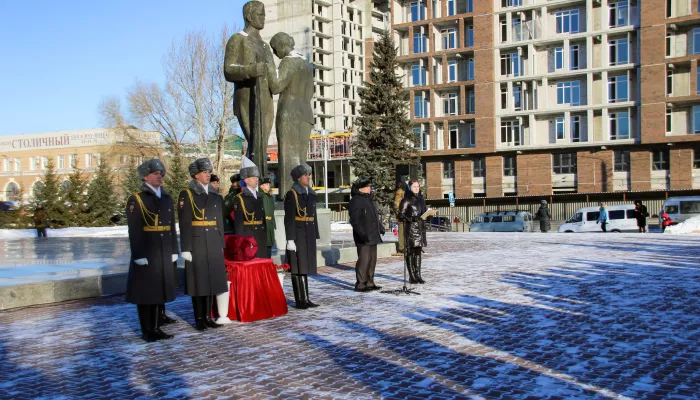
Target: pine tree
(385,136)
(50,196)
(130,179)
(76,199)
(101,200)
(176,175)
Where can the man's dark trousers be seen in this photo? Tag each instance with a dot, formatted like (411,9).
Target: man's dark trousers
(364,268)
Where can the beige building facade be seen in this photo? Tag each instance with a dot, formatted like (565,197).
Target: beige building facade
(24,158)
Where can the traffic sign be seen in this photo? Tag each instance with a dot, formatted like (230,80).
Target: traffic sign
(452,197)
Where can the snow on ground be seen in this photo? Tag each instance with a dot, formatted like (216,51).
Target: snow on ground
(108,231)
(690,225)
(503,315)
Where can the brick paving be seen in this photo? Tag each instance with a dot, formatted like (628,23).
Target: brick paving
(502,316)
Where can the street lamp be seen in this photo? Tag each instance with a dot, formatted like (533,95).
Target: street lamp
(324,135)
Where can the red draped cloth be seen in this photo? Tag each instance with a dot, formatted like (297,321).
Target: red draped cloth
(255,291)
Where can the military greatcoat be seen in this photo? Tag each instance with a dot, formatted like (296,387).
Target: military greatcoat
(202,234)
(249,219)
(301,226)
(152,236)
(270,218)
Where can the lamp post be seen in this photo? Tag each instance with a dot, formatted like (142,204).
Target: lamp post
(324,135)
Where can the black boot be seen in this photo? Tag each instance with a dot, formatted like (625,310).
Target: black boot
(210,323)
(303,294)
(410,266)
(306,289)
(159,312)
(199,313)
(148,318)
(298,286)
(419,260)
(163,317)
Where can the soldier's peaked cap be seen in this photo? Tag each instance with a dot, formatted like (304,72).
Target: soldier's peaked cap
(199,165)
(149,167)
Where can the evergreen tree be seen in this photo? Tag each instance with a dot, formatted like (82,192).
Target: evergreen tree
(385,133)
(130,179)
(76,199)
(176,175)
(101,200)
(50,196)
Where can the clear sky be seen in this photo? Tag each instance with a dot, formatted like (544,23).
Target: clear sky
(59,59)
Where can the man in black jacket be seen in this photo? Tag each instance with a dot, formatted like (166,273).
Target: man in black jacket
(249,208)
(367,230)
(151,221)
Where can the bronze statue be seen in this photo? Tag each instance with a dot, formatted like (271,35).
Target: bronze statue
(294,82)
(246,64)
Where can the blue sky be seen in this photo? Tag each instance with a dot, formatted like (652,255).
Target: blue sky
(61,58)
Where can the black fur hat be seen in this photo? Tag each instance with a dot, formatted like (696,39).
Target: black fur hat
(199,165)
(149,167)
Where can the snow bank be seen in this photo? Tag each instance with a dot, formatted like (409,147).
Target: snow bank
(112,231)
(691,225)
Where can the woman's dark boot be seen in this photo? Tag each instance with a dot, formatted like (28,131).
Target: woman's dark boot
(306,290)
(411,267)
(297,283)
(419,260)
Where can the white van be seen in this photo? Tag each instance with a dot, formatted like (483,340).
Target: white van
(503,221)
(620,219)
(681,208)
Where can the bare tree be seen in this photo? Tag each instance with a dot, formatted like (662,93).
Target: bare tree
(127,134)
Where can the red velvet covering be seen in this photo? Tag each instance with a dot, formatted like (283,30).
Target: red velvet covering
(255,291)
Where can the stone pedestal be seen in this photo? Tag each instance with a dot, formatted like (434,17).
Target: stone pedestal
(324,228)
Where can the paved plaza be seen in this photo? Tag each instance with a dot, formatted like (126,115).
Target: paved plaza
(502,316)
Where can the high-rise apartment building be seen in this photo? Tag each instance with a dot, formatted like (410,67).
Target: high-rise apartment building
(534,97)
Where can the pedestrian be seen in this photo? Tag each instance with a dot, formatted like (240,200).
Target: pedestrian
(411,209)
(270,223)
(152,279)
(214,182)
(544,215)
(666,221)
(228,202)
(641,214)
(40,221)
(603,217)
(202,242)
(367,230)
(249,209)
(398,196)
(301,231)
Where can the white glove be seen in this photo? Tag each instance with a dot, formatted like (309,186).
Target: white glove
(291,246)
(175,257)
(141,261)
(187,256)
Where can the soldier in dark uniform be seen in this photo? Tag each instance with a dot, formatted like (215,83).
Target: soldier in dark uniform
(269,213)
(301,230)
(202,242)
(214,182)
(151,219)
(228,203)
(249,209)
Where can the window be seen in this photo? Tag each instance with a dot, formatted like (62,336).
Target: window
(453,132)
(619,51)
(616,214)
(12,191)
(564,163)
(471,102)
(622,161)
(32,163)
(510,133)
(61,162)
(510,167)
(567,21)
(696,159)
(451,9)
(73,159)
(697,78)
(618,89)
(418,75)
(669,120)
(669,44)
(6,165)
(592,215)
(696,41)
(504,31)
(18,164)
(517,98)
(88,160)
(421,138)
(448,169)
(470,36)
(574,57)
(479,167)
(619,125)
(452,71)
(420,43)
(569,93)
(417,11)
(659,160)
(509,218)
(510,64)
(449,38)
(669,82)
(420,106)
(558,58)
(467,136)
(44,162)
(470,70)
(669,8)
(630,214)
(575,128)
(618,14)
(696,119)
(511,3)
(449,103)
(470,6)
(517,29)
(504,97)
(559,124)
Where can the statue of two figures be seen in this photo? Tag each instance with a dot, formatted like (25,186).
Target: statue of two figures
(248,63)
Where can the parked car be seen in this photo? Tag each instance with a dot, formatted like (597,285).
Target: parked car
(341,226)
(503,221)
(7,206)
(681,208)
(620,219)
(439,224)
